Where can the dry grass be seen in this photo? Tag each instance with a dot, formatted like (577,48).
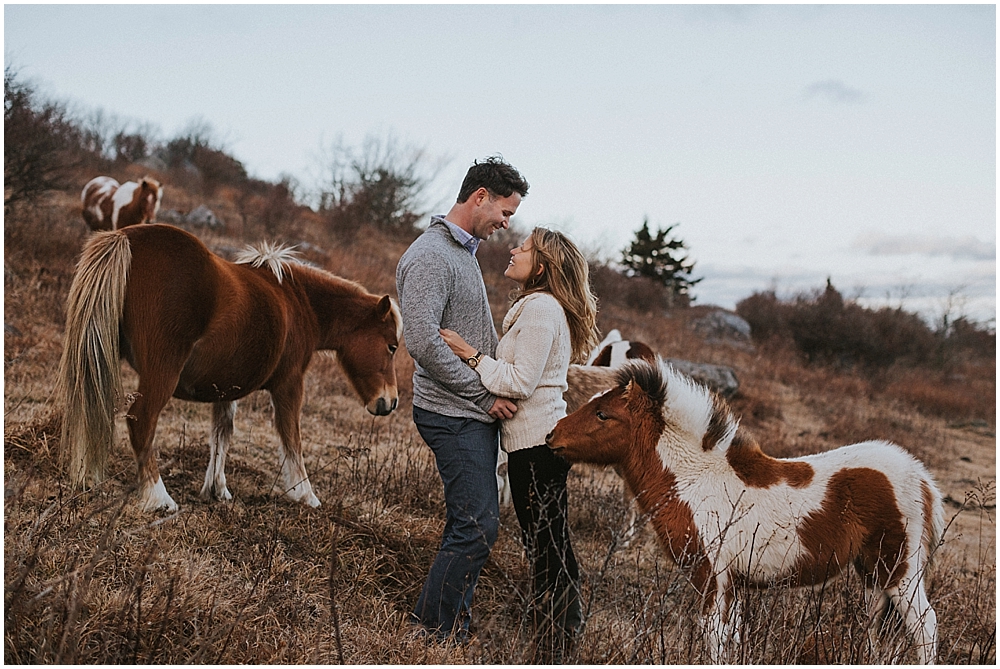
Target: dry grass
(89,579)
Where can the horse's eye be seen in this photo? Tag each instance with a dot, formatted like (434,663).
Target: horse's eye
(392,349)
(602,416)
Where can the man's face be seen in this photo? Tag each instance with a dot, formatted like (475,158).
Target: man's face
(493,212)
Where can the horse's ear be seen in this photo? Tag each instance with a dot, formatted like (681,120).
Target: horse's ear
(383,307)
(635,397)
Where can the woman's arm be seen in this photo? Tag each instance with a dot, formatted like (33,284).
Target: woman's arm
(533,335)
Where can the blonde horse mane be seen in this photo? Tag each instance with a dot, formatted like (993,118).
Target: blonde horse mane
(89,382)
(276,257)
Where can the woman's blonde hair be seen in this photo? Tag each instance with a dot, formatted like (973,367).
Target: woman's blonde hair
(566,276)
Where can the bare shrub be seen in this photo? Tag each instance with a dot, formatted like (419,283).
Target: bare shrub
(41,144)
(378,185)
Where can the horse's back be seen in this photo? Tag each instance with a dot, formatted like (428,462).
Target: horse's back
(226,322)
(173,281)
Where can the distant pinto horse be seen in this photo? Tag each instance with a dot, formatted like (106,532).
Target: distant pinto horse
(200,328)
(614,351)
(736,516)
(110,206)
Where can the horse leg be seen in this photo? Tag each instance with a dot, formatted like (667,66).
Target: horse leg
(718,624)
(878,608)
(142,418)
(287,401)
(218,444)
(910,599)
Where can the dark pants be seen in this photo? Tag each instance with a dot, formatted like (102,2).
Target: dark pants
(466,454)
(538,490)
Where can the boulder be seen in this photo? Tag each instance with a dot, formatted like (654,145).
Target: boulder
(719,378)
(723,326)
(203,217)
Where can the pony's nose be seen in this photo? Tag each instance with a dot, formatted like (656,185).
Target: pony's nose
(384,407)
(548,437)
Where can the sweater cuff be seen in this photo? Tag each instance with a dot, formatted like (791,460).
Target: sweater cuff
(486,403)
(487,370)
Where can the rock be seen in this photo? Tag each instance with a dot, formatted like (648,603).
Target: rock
(171,216)
(203,217)
(719,378)
(724,326)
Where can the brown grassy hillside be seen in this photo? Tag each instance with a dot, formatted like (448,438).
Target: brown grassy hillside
(89,579)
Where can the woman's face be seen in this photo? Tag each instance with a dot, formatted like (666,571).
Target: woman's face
(522,262)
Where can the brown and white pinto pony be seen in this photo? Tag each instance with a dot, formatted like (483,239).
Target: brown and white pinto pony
(615,352)
(736,516)
(110,206)
(200,328)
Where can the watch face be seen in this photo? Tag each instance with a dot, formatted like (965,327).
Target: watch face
(472,362)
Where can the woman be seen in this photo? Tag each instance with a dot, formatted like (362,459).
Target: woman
(552,322)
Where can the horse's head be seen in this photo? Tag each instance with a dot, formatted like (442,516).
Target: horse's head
(628,416)
(367,356)
(150,194)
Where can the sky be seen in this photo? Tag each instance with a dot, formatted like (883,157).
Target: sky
(788,144)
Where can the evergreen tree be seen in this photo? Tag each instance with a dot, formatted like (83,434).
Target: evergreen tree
(657,257)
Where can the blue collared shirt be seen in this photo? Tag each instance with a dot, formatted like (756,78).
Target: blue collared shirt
(470,242)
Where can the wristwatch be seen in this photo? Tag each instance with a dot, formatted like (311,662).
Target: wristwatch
(474,360)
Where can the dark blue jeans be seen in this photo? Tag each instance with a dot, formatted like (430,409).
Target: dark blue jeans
(466,453)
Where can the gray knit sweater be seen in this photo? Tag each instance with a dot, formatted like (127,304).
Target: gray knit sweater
(440,285)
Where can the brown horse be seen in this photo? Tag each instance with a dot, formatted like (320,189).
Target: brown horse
(200,328)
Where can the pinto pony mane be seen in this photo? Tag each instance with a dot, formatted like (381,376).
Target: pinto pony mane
(689,408)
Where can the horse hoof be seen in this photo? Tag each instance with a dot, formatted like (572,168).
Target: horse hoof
(156,498)
(211,495)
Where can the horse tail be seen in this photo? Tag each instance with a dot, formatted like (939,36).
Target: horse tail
(89,382)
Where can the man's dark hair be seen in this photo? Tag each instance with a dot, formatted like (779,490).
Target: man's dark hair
(496,176)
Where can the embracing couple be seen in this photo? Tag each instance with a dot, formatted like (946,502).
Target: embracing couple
(469,389)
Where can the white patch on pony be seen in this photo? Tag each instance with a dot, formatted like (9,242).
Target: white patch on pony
(619,353)
(611,338)
(688,407)
(277,257)
(122,197)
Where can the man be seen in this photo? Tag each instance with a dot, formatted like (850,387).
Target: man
(440,285)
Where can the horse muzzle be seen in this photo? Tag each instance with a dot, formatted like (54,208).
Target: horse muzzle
(548,442)
(382,406)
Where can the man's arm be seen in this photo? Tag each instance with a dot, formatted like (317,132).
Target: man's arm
(423,287)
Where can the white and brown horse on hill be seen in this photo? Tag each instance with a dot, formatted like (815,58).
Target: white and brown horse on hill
(614,351)
(200,328)
(108,205)
(736,516)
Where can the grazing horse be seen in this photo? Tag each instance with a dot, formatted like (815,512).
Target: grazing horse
(200,328)
(736,516)
(110,206)
(614,351)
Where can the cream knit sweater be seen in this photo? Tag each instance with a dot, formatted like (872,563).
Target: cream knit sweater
(530,367)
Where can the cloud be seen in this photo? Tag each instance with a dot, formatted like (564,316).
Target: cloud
(957,248)
(835,91)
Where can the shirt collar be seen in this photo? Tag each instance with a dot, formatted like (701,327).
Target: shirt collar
(470,242)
